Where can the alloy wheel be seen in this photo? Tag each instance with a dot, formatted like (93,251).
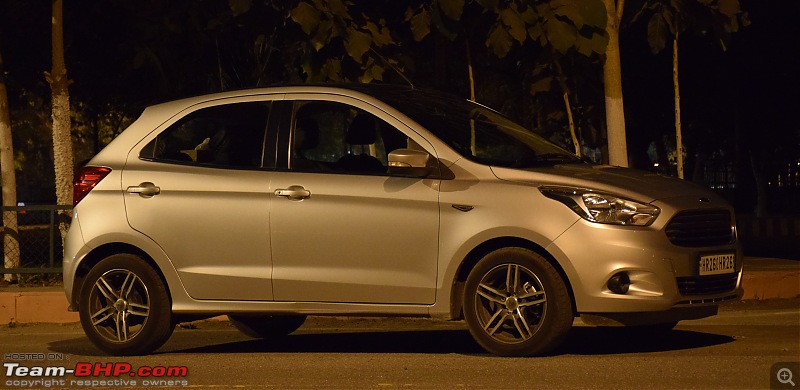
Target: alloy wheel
(119,305)
(510,303)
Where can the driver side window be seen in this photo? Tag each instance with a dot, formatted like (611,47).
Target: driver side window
(334,137)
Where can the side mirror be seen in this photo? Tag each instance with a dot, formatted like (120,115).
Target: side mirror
(410,163)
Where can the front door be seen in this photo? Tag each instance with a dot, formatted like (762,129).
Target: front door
(342,229)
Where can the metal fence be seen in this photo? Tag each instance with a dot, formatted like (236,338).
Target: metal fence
(781,191)
(38,243)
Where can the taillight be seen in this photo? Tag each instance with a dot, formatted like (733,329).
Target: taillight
(85,179)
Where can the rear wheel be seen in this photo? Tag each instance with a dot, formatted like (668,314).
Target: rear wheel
(263,327)
(124,306)
(516,304)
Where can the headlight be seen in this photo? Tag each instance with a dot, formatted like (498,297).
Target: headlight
(602,207)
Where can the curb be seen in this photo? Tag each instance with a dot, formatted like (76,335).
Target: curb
(51,306)
(771,285)
(33,306)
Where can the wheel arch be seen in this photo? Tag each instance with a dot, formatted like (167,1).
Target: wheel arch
(100,253)
(486,247)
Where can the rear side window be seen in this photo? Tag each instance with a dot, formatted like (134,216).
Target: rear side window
(230,135)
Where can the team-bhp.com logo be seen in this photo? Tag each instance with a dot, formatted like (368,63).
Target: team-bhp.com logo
(94,375)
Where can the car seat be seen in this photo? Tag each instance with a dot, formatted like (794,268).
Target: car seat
(360,133)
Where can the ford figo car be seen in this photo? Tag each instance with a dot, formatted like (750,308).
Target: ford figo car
(269,205)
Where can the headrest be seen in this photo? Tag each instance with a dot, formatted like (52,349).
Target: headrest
(308,133)
(361,131)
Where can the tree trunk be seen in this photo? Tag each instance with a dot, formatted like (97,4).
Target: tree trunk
(563,84)
(678,134)
(62,140)
(473,146)
(612,80)
(9,182)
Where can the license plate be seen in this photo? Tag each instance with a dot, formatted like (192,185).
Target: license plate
(717,264)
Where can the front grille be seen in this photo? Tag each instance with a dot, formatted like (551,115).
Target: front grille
(700,228)
(707,285)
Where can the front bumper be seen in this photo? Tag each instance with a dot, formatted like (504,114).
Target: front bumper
(664,277)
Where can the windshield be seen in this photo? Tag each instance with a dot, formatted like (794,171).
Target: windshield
(477,132)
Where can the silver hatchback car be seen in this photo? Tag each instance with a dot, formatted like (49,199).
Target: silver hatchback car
(269,205)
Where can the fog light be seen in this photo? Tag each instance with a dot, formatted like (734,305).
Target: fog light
(619,283)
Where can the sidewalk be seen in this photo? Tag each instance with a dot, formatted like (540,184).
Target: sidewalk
(764,278)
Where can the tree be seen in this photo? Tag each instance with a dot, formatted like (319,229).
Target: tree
(330,23)
(9,181)
(722,17)
(560,27)
(62,140)
(612,78)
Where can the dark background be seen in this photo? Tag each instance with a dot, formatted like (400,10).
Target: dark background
(738,105)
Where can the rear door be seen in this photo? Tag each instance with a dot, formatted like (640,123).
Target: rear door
(200,189)
(342,229)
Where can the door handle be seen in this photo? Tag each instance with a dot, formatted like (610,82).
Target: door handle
(145,190)
(294,193)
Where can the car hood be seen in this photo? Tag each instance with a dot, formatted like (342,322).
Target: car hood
(637,185)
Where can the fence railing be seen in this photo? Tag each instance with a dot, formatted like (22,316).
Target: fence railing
(38,240)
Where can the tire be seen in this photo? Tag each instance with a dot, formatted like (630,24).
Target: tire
(264,327)
(516,304)
(124,306)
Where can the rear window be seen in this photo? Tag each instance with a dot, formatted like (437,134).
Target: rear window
(230,135)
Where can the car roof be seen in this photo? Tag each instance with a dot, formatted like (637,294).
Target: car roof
(362,91)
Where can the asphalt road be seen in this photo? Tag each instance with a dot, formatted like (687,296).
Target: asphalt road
(734,350)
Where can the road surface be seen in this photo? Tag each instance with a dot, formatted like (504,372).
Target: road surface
(734,350)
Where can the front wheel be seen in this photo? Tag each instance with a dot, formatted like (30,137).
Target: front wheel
(124,306)
(516,303)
